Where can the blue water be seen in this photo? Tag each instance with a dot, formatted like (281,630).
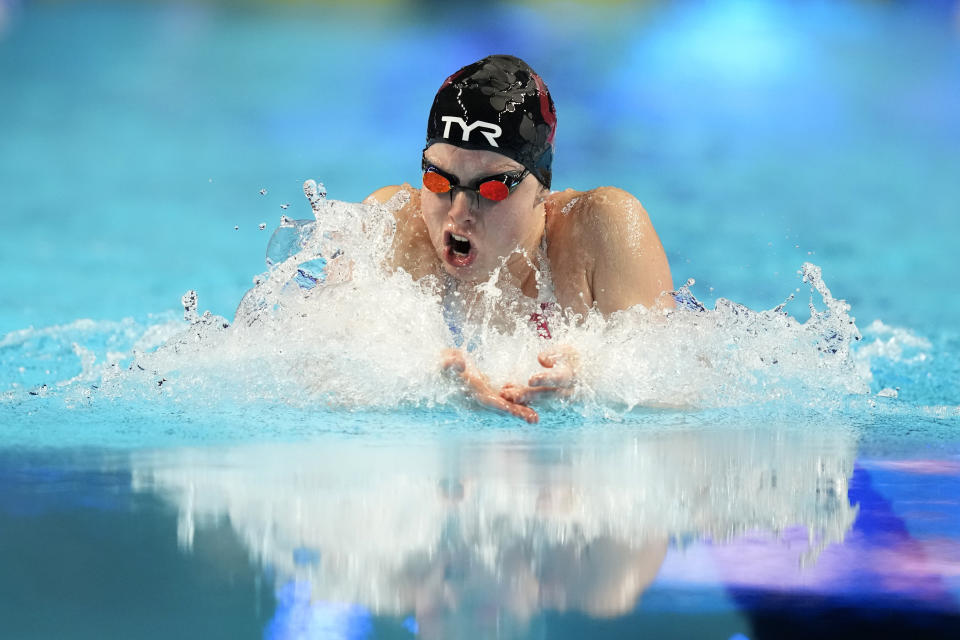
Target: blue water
(759,136)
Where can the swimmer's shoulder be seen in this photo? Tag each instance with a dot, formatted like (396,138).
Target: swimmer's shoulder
(594,212)
(407,215)
(609,235)
(411,249)
(571,263)
(384,194)
(592,220)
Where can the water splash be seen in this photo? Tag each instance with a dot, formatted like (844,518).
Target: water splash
(895,344)
(328,325)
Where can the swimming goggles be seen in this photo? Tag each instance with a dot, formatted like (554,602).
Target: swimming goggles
(495,188)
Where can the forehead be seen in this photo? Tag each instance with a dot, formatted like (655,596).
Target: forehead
(469,163)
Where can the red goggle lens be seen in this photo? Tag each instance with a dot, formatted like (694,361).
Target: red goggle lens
(493,190)
(436,183)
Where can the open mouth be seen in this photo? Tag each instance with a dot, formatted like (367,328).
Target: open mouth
(459,250)
(459,244)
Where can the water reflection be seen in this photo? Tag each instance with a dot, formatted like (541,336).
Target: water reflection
(486,535)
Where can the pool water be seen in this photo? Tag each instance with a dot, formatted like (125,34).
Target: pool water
(303,471)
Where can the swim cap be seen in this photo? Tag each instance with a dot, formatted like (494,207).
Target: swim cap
(497,104)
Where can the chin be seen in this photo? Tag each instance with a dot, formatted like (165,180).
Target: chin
(473,273)
(460,273)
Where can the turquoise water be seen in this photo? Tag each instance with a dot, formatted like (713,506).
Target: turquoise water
(315,478)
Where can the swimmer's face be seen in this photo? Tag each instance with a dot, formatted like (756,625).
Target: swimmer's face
(472,238)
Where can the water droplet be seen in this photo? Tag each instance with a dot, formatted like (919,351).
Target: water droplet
(189,301)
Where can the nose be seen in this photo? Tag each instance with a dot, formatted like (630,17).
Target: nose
(462,208)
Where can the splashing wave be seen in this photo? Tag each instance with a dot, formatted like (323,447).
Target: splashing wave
(327,325)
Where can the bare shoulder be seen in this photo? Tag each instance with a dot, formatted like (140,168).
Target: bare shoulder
(609,233)
(406,215)
(383,194)
(604,210)
(411,249)
(604,218)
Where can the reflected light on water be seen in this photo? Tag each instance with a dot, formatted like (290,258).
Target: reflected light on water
(492,535)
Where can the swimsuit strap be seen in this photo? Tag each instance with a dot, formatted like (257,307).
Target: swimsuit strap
(546,297)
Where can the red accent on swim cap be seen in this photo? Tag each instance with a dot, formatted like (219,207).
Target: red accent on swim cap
(548,115)
(450,79)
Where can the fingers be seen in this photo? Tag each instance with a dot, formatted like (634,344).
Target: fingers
(514,393)
(560,363)
(562,353)
(557,379)
(559,376)
(490,399)
(527,394)
(549,358)
(526,413)
(518,395)
(477,386)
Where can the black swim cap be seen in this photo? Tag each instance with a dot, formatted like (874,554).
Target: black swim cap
(497,104)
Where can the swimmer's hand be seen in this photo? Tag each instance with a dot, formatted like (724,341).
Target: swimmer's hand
(559,378)
(478,387)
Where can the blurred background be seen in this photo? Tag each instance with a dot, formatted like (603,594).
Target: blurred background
(136,137)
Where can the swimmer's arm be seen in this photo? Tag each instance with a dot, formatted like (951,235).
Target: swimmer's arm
(626,266)
(630,266)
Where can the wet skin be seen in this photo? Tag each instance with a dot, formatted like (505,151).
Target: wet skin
(602,249)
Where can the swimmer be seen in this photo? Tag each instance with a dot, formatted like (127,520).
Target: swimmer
(486,203)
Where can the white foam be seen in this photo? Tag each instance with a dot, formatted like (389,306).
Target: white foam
(367,337)
(364,336)
(895,344)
